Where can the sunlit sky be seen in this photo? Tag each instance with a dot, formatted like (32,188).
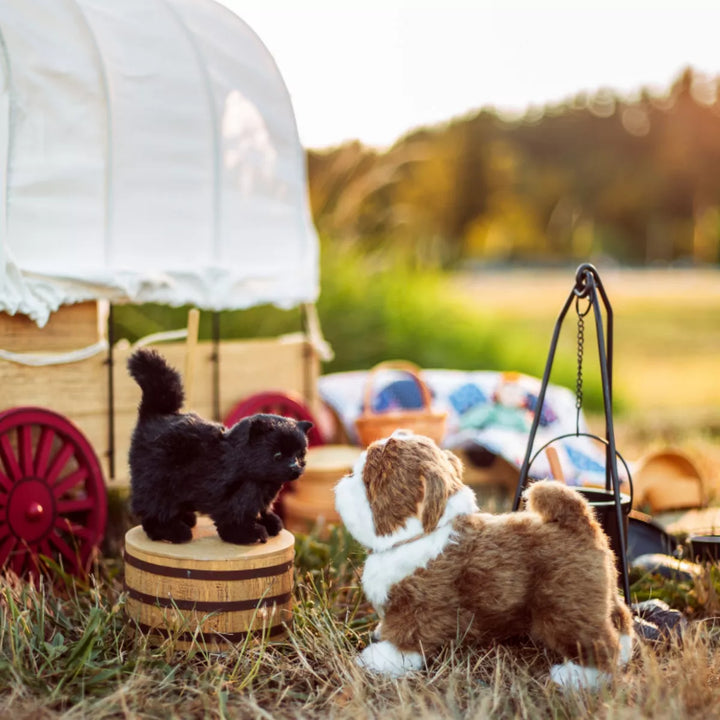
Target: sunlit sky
(374,69)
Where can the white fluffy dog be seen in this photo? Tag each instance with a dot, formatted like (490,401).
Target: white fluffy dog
(439,570)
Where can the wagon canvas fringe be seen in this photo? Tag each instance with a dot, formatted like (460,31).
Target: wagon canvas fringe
(181,463)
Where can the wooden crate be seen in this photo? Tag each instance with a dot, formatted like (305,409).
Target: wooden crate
(286,363)
(77,390)
(69,328)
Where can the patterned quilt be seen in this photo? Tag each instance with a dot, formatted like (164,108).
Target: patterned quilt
(492,410)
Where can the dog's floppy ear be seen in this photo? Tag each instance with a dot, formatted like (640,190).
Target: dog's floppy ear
(441,474)
(456,464)
(434,503)
(393,488)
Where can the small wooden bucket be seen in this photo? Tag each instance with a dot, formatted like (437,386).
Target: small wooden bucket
(312,504)
(207,591)
(371,426)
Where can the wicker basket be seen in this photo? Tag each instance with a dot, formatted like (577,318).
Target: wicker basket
(373,426)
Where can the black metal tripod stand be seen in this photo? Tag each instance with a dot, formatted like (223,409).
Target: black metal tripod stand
(587,286)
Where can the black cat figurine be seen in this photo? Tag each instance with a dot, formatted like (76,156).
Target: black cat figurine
(181,464)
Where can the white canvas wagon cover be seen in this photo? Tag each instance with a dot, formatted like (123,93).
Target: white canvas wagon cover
(148,153)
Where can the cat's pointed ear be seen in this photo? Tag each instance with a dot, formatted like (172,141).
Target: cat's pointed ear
(305,426)
(259,425)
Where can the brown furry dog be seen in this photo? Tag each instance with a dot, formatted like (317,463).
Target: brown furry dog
(439,570)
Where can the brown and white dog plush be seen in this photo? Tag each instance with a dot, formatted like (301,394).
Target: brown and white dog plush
(439,570)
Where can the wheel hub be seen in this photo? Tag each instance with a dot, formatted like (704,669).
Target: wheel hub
(30,509)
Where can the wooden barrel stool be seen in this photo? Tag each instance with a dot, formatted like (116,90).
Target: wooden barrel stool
(207,591)
(312,504)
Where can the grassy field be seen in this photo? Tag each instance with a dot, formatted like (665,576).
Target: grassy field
(667,329)
(68,651)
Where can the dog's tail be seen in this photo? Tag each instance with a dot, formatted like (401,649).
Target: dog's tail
(558,503)
(161,385)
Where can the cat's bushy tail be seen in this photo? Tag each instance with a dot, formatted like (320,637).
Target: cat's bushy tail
(161,385)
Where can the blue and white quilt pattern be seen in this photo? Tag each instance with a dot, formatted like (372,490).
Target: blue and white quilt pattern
(493,410)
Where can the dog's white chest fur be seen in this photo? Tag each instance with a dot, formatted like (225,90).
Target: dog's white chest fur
(385,569)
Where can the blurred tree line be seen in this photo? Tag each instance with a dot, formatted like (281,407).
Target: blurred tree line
(636,180)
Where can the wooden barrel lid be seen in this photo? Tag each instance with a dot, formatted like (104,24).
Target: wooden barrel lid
(306,517)
(332,457)
(298,506)
(207,547)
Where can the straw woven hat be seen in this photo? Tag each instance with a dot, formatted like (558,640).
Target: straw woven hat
(668,479)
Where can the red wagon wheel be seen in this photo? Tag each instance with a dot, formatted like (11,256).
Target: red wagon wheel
(52,494)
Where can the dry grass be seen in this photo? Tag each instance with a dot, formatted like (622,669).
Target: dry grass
(70,652)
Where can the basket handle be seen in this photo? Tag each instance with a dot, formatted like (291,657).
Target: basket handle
(404,365)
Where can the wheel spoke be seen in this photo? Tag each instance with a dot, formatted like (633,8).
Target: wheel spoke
(6,548)
(64,525)
(45,555)
(32,565)
(73,479)
(25,448)
(5,482)
(82,533)
(42,454)
(64,549)
(59,461)
(7,455)
(65,507)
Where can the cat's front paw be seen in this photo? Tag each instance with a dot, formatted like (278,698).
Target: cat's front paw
(243,534)
(272,523)
(174,531)
(189,518)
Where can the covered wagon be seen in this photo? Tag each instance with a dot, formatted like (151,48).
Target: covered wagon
(148,154)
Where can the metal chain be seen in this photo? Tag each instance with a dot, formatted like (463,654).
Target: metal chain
(580,349)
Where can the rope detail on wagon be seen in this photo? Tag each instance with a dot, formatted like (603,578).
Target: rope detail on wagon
(44,359)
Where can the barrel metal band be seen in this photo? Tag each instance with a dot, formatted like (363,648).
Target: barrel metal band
(194,574)
(205,606)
